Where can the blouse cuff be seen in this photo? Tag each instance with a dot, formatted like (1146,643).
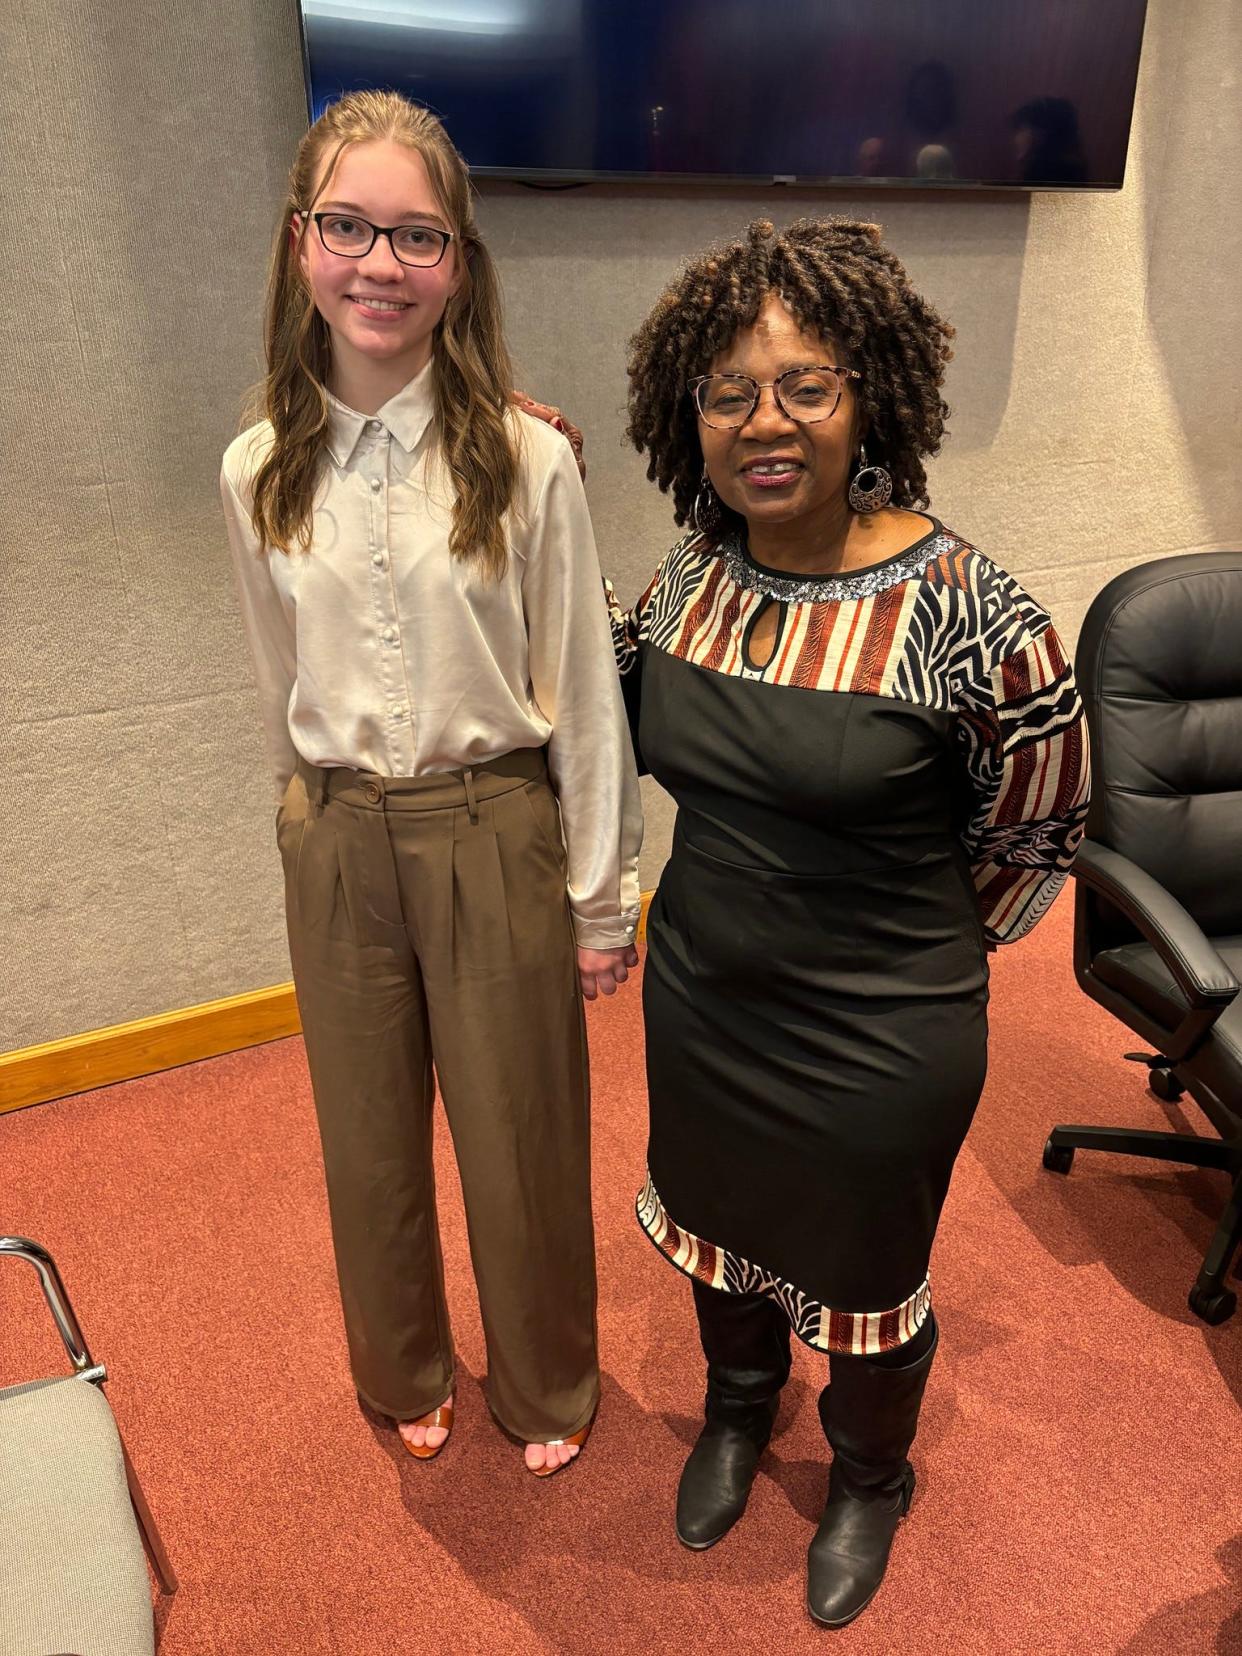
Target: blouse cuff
(614,933)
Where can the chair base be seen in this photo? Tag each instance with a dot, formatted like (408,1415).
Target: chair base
(1162,1078)
(1209,1299)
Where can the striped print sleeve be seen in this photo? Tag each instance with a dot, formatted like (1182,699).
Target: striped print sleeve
(625,625)
(627,630)
(1025,743)
(631,627)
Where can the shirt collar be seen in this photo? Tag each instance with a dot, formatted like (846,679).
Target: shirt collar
(405,417)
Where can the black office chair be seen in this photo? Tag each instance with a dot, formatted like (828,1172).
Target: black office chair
(1158,899)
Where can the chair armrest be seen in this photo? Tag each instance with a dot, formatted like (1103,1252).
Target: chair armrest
(1196,967)
(58,1303)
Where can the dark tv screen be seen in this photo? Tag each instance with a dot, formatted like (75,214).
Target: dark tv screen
(1025,94)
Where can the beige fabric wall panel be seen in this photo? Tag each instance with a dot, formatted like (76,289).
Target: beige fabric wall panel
(1095,393)
(147,162)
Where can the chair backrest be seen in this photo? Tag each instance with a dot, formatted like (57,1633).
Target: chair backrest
(1159,665)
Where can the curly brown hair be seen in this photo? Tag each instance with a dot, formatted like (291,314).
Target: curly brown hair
(840,282)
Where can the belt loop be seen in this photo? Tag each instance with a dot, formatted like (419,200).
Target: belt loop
(321,789)
(472,802)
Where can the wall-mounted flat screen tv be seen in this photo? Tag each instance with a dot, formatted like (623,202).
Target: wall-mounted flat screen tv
(1026,94)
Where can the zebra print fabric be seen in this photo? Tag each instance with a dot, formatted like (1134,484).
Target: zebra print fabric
(856,1333)
(960,636)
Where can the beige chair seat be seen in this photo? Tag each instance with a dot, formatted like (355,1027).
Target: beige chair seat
(73,1578)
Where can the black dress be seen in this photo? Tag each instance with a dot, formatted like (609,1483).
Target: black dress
(900,784)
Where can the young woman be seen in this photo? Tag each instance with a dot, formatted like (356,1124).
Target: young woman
(458,802)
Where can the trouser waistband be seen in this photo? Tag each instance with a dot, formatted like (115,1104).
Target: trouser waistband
(442,790)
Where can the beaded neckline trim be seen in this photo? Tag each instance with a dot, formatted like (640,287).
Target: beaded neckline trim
(864,583)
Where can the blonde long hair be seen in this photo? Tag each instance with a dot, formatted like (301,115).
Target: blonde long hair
(473,373)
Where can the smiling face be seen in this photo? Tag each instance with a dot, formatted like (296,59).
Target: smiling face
(775,471)
(378,310)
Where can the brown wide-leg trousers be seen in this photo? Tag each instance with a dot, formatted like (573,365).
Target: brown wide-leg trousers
(429,926)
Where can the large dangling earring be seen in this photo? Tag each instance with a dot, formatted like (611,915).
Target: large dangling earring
(872,486)
(706,515)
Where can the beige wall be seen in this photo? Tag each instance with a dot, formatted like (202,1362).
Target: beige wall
(1096,389)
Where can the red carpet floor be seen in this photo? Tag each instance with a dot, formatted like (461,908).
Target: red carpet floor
(1079,1463)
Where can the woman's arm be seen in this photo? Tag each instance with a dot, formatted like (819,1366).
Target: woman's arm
(575,685)
(268,633)
(1025,742)
(625,624)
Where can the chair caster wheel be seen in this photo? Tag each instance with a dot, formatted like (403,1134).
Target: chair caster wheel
(1164,1083)
(1213,1305)
(1058,1159)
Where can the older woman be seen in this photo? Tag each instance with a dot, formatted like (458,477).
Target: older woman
(878,756)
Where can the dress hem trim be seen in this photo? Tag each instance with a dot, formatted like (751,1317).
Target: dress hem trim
(847,1333)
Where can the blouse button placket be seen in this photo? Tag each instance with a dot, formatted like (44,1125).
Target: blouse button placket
(388,622)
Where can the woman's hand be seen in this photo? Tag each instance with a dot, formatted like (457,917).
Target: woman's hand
(558,422)
(603,971)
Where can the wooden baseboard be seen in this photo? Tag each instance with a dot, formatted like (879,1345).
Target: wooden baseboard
(33,1075)
(122,1052)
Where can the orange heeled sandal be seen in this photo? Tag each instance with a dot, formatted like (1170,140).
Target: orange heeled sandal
(441,1417)
(578,1438)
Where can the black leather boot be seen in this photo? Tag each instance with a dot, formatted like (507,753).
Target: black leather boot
(870,1413)
(746,1342)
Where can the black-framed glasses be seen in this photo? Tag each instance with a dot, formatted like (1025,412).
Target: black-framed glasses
(807,395)
(352,237)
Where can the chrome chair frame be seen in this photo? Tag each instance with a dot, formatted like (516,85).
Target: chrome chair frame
(85,1368)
